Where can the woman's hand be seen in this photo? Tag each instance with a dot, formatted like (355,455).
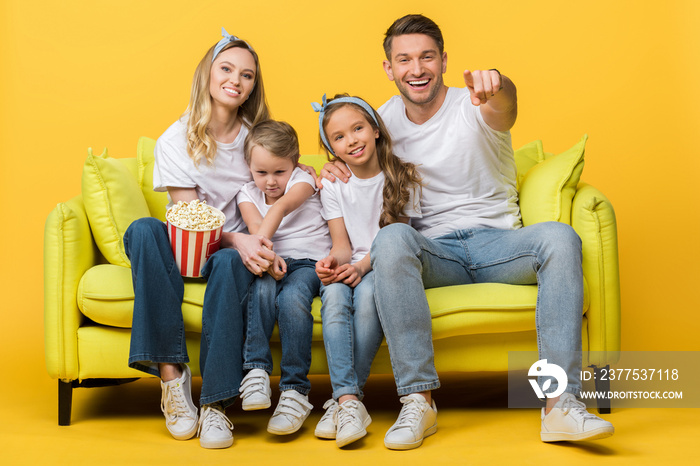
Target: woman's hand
(255,250)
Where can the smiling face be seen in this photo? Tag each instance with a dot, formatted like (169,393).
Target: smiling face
(416,67)
(270,173)
(232,78)
(353,140)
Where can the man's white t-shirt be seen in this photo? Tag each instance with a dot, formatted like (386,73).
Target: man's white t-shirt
(359,203)
(468,169)
(302,234)
(217,184)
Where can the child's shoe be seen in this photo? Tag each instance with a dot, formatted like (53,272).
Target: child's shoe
(327,426)
(255,390)
(215,427)
(290,413)
(353,420)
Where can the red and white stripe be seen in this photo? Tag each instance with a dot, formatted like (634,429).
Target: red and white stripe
(191,249)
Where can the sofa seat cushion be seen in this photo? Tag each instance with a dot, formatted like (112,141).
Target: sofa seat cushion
(106,296)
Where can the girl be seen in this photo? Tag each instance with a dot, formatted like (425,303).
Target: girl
(201,157)
(280,205)
(381,191)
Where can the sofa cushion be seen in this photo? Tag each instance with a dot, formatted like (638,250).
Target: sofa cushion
(145,160)
(548,187)
(113,200)
(105,295)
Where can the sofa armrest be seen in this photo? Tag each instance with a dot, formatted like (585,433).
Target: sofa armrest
(593,218)
(69,251)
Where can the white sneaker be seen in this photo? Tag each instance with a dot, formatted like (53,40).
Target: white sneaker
(290,413)
(417,420)
(569,420)
(177,406)
(215,427)
(327,426)
(353,420)
(255,390)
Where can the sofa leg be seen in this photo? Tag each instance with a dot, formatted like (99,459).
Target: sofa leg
(602,385)
(65,402)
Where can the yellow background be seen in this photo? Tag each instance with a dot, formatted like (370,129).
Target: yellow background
(101,74)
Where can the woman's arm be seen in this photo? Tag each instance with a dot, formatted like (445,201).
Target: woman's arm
(182,194)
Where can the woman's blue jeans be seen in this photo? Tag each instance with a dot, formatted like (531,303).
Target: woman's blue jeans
(158,330)
(352,334)
(405,262)
(287,302)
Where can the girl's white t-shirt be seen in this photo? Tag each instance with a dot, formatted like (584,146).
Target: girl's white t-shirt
(359,203)
(302,234)
(468,169)
(217,184)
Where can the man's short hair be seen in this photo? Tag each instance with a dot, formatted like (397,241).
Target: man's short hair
(413,24)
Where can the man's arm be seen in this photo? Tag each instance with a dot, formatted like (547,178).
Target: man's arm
(496,97)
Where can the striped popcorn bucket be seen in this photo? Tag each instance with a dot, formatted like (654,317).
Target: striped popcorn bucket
(192,248)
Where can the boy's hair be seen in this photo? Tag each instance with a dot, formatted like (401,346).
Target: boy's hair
(399,177)
(277,137)
(413,24)
(200,143)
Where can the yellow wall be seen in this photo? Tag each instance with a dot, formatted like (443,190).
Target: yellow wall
(77,74)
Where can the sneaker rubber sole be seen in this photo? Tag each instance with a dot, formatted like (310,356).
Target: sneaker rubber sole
(255,406)
(595,434)
(325,434)
(409,446)
(222,443)
(185,435)
(357,436)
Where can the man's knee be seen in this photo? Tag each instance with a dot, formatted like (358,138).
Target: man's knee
(393,241)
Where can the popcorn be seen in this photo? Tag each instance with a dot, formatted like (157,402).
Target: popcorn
(194,215)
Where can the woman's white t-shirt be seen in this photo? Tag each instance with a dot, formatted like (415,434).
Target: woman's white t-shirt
(359,203)
(217,184)
(302,234)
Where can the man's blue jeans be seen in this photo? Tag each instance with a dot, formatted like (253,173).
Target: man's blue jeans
(352,334)
(158,330)
(405,262)
(287,302)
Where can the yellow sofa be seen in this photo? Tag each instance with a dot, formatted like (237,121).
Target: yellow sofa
(88,294)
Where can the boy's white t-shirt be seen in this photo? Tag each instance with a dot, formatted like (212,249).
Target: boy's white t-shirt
(302,234)
(359,203)
(468,169)
(217,184)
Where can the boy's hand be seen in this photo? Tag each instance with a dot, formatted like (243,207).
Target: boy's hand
(278,268)
(325,269)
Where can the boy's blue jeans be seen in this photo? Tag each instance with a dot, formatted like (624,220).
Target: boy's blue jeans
(405,262)
(287,302)
(351,334)
(158,330)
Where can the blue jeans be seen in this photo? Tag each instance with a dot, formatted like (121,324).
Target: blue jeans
(352,334)
(158,330)
(287,302)
(405,262)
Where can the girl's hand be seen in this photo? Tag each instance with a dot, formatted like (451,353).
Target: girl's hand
(255,250)
(348,274)
(333,170)
(278,268)
(325,269)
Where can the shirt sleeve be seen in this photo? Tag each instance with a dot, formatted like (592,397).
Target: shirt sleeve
(171,166)
(329,200)
(244,194)
(300,176)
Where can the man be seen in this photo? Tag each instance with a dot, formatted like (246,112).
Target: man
(470,231)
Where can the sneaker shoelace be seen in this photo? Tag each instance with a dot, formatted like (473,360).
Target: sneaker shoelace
(292,407)
(347,413)
(571,404)
(213,418)
(173,403)
(410,414)
(252,385)
(330,413)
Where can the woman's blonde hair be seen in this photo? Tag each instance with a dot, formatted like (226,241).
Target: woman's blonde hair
(400,178)
(277,137)
(200,142)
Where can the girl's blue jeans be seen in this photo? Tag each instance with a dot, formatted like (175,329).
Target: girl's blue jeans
(351,334)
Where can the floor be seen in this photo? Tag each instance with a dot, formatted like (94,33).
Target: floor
(123,424)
